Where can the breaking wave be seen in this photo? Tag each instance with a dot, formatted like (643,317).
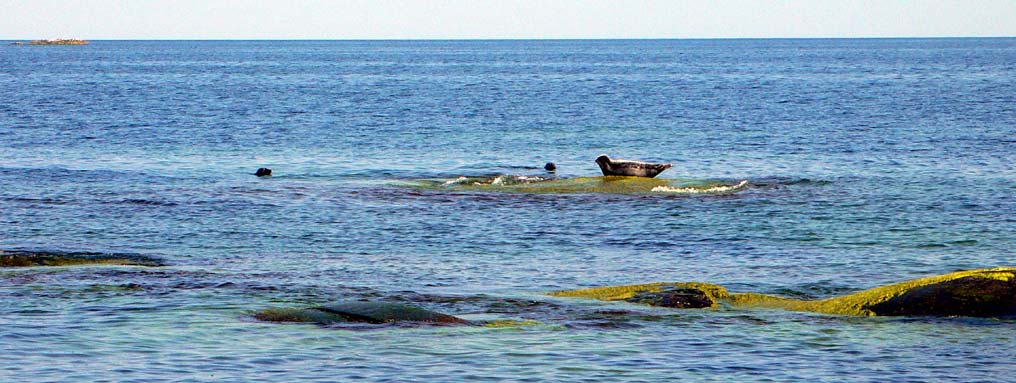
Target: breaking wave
(604,185)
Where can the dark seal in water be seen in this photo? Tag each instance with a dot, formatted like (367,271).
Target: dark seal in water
(550,167)
(263,172)
(629,168)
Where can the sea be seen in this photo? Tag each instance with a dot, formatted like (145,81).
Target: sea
(413,172)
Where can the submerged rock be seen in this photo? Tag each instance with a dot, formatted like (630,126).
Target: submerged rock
(975,293)
(55,258)
(357,311)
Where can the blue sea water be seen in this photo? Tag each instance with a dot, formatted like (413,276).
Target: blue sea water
(868,161)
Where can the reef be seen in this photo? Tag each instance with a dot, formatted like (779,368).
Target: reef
(57,258)
(55,42)
(974,293)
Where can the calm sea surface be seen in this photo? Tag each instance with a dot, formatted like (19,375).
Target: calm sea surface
(868,162)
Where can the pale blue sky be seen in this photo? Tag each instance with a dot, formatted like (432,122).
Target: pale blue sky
(388,19)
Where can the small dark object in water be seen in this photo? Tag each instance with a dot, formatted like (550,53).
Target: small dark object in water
(629,168)
(674,298)
(550,167)
(263,172)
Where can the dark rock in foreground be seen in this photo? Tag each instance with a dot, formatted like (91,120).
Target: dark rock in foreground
(55,258)
(967,296)
(356,311)
(677,298)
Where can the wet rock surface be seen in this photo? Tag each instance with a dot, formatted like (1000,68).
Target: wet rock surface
(679,298)
(969,296)
(18,258)
(972,293)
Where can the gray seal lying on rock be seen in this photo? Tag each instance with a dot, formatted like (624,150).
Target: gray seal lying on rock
(629,168)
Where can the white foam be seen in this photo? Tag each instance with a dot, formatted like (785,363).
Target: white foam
(701,190)
(456,181)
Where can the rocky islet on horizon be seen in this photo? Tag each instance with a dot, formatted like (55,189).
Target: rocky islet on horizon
(53,42)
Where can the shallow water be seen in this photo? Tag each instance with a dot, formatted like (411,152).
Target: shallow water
(868,162)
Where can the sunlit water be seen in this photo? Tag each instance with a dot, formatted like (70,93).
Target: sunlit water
(867,162)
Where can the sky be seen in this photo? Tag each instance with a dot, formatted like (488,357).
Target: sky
(501,19)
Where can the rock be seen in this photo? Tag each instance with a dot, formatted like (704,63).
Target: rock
(358,311)
(263,172)
(967,296)
(974,293)
(550,167)
(57,258)
(59,42)
(678,298)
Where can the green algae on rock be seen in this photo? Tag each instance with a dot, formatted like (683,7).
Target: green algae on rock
(975,293)
(58,258)
(625,292)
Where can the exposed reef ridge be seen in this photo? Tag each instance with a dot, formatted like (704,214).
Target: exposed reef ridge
(19,258)
(54,42)
(974,293)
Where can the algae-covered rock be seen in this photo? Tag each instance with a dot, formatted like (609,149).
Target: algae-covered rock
(976,293)
(57,258)
(981,292)
(357,311)
(678,298)
(973,296)
(625,292)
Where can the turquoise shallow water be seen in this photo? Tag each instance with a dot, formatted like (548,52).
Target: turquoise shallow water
(868,162)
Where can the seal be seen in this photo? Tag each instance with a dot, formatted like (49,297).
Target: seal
(628,168)
(263,172)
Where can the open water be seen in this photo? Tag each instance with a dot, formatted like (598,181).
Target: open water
(867,161)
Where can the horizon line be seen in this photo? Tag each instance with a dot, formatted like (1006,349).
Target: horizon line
(528,38)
